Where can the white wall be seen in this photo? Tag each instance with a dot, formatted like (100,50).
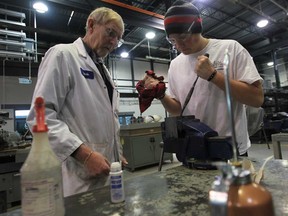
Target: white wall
(161,70)
(139,69)
(122,70)
(14,93)
(132,105)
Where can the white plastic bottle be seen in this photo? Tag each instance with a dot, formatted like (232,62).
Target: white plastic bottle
(41,176)
(116,183)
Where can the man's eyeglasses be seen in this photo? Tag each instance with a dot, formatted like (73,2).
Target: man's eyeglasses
(182,37)
(113,34)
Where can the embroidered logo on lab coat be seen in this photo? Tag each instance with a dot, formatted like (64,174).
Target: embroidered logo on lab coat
(87,74)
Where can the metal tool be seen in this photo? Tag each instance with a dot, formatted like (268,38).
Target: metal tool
(226,63)
(189,95)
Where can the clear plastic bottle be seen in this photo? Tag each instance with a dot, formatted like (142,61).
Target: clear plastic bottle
(41,176)
(218,197)
(116,183)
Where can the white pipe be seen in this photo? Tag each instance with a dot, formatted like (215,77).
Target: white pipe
(3,82)
(35,26)
(226,64)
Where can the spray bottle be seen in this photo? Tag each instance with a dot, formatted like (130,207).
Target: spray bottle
(218,195)
(41,176)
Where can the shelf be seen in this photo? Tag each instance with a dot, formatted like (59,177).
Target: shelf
(12,54)
(13,33)
(279,102)
(20,15)
(12,43)
(12,22)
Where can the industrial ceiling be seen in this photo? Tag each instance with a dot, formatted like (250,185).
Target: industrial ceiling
(223,19)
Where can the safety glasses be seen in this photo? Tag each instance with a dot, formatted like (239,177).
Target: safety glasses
(182,37)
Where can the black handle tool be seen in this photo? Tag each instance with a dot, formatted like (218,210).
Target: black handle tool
(188,97)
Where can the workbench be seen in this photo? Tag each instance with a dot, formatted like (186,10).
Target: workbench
(177,191)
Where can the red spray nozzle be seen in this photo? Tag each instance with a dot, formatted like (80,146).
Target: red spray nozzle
(39,107)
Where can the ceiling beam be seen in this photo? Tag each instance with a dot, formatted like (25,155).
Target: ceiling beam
(131,15)
(280,6)
(136,17)
(133,9)
(254,10)
(270,47)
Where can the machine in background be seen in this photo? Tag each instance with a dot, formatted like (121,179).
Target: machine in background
(13,153)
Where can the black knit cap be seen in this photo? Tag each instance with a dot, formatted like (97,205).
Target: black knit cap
(180,16)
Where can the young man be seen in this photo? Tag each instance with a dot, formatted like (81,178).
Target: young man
(82,103)
(183,26)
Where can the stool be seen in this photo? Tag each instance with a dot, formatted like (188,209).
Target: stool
(276,139)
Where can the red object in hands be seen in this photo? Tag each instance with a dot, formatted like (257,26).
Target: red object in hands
(146,96)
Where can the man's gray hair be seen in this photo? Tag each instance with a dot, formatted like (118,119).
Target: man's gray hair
(104,15)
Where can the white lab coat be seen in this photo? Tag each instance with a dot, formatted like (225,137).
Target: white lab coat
(78,110)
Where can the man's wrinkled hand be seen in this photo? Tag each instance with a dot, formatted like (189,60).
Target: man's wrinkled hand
(97,165)
(124,161)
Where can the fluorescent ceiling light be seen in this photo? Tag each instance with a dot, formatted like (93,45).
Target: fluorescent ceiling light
(270,63)
(124,54)
(150,35)
(40,7)
(262,23)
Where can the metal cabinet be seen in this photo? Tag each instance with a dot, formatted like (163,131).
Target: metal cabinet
(11,162)
(10,190)
(141,144)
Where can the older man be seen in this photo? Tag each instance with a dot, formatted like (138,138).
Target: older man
(82,103)
(183,26)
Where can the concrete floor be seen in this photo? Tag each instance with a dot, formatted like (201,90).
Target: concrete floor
(257,151)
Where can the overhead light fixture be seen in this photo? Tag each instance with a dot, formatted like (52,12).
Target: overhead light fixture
(40,7)
(270,64)
(124,54)
(150,35)
(262,23)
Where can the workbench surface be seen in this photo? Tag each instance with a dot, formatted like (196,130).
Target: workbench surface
(176,191)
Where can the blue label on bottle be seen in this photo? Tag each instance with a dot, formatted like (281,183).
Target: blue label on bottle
(115,177)
(116,182)
(116,186)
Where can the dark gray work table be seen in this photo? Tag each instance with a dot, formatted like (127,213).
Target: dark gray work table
(176,191)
